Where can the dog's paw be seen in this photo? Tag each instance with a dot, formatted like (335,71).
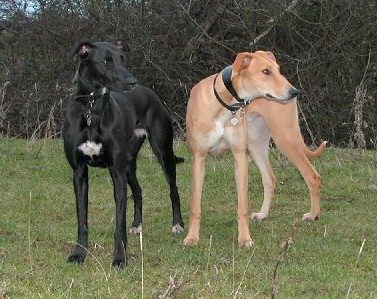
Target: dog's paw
(136,230)
(119,263)
(177,229)
(190,241)
(76,259)
(246,243)
(258,216)
(310,217)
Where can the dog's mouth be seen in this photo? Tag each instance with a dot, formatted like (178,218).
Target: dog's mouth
(131,86)
(292,93)
(271,97)
(124,86)
(274,98)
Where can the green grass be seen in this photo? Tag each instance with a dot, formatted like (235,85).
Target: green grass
(334,257)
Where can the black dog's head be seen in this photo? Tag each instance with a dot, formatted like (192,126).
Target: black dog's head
(102,64)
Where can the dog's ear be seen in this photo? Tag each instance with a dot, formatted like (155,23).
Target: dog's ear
(122,46)
(271,55)
(82,49)
(241,62)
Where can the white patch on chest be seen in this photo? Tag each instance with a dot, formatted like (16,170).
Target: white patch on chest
(216,142)
(90,148)
(140,132)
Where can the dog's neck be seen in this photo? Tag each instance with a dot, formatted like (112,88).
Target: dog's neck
(93,103)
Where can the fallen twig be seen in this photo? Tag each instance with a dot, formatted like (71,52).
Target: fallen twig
(170,289)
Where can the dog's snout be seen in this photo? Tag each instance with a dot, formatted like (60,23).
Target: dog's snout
(131,83)
(131,86)
(126,81)
(293,92)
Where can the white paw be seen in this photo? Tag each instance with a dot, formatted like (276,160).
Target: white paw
(190,241)
(258,216)
(177,229)
(136,230)
(310,217)
(247,244)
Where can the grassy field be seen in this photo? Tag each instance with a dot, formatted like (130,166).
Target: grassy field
(335,257)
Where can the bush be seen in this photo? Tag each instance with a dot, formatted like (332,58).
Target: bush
(326,47)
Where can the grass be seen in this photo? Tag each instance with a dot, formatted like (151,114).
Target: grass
(334,257)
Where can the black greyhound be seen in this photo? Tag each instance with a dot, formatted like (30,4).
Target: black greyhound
(106,123)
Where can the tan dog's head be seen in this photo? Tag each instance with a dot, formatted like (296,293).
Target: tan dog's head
(258,75)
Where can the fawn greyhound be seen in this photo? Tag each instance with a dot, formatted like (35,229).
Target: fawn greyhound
(241,109)
(106,123)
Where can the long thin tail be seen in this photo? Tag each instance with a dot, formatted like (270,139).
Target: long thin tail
(316,152)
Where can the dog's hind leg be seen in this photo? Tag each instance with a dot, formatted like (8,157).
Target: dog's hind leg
(288,143)
(80,185)
(170,172)
(258,144)
(162,145)
(135,143)
(118,175)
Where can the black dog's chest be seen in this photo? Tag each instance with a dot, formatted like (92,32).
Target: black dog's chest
(90,147)
(92,152)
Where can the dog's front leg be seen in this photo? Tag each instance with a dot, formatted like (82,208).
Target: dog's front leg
(241,176)
(120,195)
(80,185)
(237,138)
(198,172)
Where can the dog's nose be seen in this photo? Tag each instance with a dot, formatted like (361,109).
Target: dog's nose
(293,92)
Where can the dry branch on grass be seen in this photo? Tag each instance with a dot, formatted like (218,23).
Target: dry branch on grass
(283,249)
(283,252)
(172,286)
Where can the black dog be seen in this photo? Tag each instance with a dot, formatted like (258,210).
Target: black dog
(106,123)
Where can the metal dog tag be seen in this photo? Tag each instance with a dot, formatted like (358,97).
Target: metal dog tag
(234,121)
(88,118)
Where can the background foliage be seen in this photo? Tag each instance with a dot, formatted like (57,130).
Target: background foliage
(327,48)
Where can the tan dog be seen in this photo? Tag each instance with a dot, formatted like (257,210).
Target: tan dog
(228,111)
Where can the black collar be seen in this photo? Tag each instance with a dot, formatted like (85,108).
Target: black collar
(88,100)
(227,79)
(93,96)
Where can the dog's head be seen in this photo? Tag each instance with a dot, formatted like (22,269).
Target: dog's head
(258,75)
(102,64)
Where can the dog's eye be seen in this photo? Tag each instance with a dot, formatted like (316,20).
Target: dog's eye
(266,72)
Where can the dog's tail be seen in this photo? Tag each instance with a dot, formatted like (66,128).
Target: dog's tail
(316,152)
(179,159)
